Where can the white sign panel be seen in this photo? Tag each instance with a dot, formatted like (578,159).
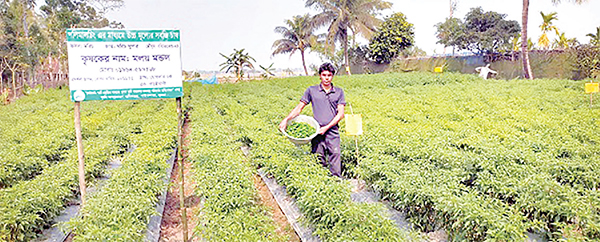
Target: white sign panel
(124,64)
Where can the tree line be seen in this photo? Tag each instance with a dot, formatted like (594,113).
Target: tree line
(33,48)
(480,32)
(344,20)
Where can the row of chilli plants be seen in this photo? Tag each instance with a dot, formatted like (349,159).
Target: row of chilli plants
(121,210)
(480,159)
(247,114)
(231,209)
(485,159)
(33,136)
(38,139)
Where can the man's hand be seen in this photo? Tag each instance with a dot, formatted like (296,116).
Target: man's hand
(283,125)
(322,130)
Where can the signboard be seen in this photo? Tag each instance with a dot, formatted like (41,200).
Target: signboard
(124,64)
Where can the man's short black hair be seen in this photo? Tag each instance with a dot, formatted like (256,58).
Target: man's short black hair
(327,67)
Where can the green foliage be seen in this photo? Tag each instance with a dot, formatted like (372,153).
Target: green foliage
(237,61)
(268,71)
(587,60)
(298,37)
(34,136)
(544,41)
(481,32)
(31,201)
(252,111)
(452,32)
(393,36)
(122,208)
(344,17)
(40,171)
(595,38)
(30,38)
(300,130)
(223,176)
(485,160)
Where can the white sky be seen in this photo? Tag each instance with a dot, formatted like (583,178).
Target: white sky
(210,27)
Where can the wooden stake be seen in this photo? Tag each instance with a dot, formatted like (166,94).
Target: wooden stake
(181,168)
(80,153)
(355,137)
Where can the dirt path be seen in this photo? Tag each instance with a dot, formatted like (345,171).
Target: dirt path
(266,198)
(171,226)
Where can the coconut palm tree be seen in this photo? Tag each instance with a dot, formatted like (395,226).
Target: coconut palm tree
(562,42)
(298,37)
(524,52)
(237,61)
(343,16)
(595,37)
(547,26)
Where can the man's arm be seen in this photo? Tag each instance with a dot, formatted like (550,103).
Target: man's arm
(295,112)
(338,117)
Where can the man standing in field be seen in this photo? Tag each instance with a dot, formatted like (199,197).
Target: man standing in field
(328,104)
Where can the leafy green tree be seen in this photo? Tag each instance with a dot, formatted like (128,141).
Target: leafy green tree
(326,55)
(489,32)
(298,37)
(28,38)
(525,53)
(236,62)
(595,38)
(481,32)
(562,42)
(23,39)
(343,16)
(451,33)
(544,41)
(394,35)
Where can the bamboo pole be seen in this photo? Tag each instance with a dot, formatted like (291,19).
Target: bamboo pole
(80,153)
(181,169)
(355,138)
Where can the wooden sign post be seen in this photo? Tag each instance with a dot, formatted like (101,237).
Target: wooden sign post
(354,127)
(80,154)
(107,64)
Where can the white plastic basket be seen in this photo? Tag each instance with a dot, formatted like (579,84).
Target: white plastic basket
(303,119)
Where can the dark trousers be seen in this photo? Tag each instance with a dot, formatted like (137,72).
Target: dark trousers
(327,147)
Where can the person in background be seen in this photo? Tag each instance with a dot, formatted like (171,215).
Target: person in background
(328,105)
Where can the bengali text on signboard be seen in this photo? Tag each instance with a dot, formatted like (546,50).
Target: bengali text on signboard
(124,64)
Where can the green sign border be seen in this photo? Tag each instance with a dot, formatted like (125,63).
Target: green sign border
(116,35)
(128,94)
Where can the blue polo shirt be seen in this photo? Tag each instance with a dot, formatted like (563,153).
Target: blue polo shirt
(324,104)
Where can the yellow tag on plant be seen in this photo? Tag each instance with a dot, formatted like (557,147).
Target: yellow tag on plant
(591,87)
(353,124)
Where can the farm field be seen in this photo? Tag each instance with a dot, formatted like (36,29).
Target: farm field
(39,164)
(480,159)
